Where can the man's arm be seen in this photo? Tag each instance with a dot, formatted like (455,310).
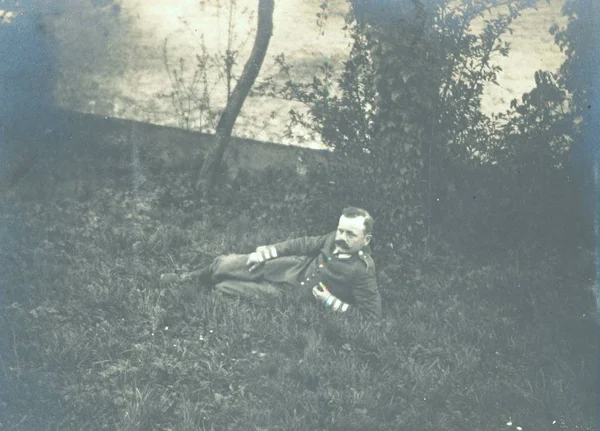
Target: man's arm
(366,295)
(294,247)
(298,246)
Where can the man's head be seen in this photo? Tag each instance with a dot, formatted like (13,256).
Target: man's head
(354,230)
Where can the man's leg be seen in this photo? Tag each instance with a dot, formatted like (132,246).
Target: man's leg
(232,267)
(248,289)
(230,276)
(227,267)
(233,264)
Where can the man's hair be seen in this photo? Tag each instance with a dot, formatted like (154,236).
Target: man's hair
(352,212)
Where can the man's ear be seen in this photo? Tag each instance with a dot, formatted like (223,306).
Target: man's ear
(368,239)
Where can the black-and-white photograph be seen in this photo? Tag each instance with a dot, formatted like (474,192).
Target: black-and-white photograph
(298,215)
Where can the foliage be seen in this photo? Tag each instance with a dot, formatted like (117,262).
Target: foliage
(407,128)
(211,168)
(191,98)
(534,153)
(26,85)
(530,187)
(579,44)
(194,89)
(579,41)
(98,343)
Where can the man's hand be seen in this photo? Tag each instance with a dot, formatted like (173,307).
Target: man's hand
(327,299)
(260,256)
(255,261)
(321,292)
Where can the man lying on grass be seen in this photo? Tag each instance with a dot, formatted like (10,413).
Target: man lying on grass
(337,269)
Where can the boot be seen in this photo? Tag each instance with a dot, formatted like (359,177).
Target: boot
(203,275)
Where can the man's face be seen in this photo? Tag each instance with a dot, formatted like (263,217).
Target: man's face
(350,236)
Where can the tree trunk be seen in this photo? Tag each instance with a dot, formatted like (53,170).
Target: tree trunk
(211,167)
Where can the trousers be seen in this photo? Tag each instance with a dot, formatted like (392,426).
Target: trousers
(230,275)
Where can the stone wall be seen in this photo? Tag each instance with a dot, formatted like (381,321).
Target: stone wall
(114,64)
(91,148)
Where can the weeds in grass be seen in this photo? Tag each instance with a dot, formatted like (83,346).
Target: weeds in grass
(461,347)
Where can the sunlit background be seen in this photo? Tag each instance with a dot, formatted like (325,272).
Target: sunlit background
(110,59)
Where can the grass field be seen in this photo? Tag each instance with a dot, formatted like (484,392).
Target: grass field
(94,341)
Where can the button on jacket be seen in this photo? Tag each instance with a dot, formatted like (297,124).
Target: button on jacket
(304,262)
(300,264)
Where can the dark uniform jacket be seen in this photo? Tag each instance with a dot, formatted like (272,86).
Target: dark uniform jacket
(304,262)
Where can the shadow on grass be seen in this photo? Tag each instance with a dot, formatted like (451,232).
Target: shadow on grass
(96,342)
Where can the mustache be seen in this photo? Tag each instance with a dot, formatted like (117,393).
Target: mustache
(341,243)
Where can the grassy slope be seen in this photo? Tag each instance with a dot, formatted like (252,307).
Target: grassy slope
(95,342)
